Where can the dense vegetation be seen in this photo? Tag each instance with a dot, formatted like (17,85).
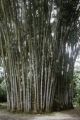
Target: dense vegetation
(3,96)
(39,43)
(76,89)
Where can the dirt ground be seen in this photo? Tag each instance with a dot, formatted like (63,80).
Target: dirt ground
(64,115)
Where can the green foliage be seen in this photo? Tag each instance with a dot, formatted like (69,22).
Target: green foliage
(3,91)
(1,79)
(76,99)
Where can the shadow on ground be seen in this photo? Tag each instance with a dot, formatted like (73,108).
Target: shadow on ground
(63,115)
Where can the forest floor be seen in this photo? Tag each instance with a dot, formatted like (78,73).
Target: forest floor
(63,115)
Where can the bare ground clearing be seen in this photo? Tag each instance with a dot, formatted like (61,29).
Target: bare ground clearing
(64,115)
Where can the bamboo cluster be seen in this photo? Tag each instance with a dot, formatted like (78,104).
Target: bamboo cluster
(36,64)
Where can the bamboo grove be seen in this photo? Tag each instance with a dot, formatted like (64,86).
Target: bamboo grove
(39,43)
